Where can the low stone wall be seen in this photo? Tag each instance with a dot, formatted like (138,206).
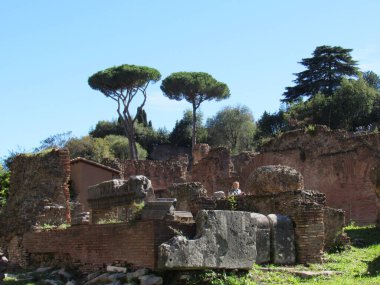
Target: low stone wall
(92,247)
(305,208)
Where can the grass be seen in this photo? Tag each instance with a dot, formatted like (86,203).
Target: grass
(358,265)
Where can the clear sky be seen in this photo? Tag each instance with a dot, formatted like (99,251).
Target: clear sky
(48,49)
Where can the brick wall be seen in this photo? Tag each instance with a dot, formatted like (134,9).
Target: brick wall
(337,163)
(214,171)
(161,173)
(305,208)
(94,246)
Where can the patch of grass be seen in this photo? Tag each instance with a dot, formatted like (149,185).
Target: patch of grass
(109,221)
(360,264)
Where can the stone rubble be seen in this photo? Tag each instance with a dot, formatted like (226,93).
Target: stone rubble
(116,275)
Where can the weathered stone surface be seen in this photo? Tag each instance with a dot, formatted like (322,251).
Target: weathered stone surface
(219,195)
(333,224)
(262,238)
(282,239)
(225,239)
(158,209)
(136,274)
(118,192)
(273,179)
(100,279)
(161,173)
(181,216)
(38,193)
(186,195)
(111,268)
(214,171)
(150,279)
(200,151)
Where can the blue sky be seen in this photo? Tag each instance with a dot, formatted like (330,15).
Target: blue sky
(48,49)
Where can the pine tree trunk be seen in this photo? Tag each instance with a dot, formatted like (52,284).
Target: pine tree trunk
(194,134)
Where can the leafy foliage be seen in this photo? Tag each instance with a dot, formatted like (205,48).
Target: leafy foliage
(352,107)
(272,124)
(323,74)
(195,88)
(146,136)
(105,128)
(97,149)
(122,84)
(232,127)
(372,79)
(4,185)
(182,131)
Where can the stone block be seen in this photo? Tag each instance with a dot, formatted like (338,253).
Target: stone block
(219,195)
(158,209)
(225,239)
(282,239)
(181,216)
(262,238)
(111,268)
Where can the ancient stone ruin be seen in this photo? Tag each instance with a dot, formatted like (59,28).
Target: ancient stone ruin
(231,240)
(186,220)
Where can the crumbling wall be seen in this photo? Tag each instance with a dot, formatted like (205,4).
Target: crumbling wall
(200,151)
(343,166)
(92,246)
(38,194)
(214,171)
(161,173)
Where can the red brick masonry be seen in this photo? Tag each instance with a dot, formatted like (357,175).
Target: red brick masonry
(93,246)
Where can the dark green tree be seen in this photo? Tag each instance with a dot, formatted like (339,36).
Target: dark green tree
(182,131)
(105,128)
(4,185)
(233,127)
(122,84)
(195,88)
(372,79)
(351,107)
(271,124)
(323,74)
(142,117)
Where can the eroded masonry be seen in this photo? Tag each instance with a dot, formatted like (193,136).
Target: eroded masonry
(161,215)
